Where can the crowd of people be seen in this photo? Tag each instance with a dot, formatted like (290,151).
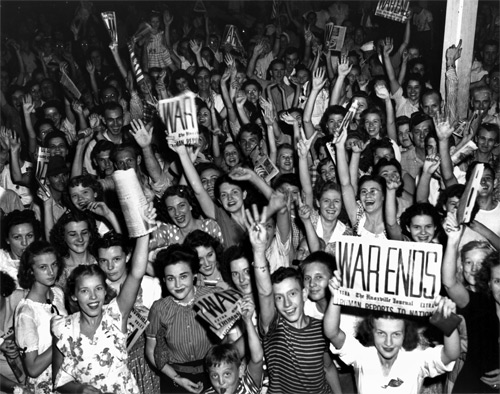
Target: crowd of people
(301,144)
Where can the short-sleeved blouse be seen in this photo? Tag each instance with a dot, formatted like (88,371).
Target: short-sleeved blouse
(32,327)
(101,361)
(177,330)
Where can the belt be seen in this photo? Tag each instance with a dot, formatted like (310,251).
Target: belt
(188,368)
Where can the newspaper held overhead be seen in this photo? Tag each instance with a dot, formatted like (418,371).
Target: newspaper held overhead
(180,118)
(109,19)
(468,199)
(266,169)
(69,86)
(133,203)
(390,276)
(334,36)
(396,10)
(42,163)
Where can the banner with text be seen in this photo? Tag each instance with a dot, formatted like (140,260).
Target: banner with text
(180,117)
(389,276)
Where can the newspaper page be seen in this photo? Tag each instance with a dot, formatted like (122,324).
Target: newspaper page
(220,310)
(390,276)
(133,203)
(396,10)
(109,19)
(42,163)
(136,324)
(468,199)
(334,36)
(69,86)
(180,118)
(266,169)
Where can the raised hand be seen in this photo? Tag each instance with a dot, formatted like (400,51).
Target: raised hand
(256,231)
(382,91)
(394,182)
(77,107)
(240,98)
(99,208)
(344,68)
(452,228)
(28,106)
(168,18)
(319,79)
(229,60)
(258,49)
(267,111)
(308,36)
(340,138)
(193,44)
(247,307)
(177,146)
(443,127)
(304,211)
(241,174)
(445,306)
(307,141)
(359,146)
(287,118)
(387,46)
(143,134)
(453,53)
(431,164)
(90,67)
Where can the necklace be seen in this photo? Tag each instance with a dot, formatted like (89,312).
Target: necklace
(189,303)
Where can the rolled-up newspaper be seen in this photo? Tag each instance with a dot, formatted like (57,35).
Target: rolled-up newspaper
(133,203)
(109,19)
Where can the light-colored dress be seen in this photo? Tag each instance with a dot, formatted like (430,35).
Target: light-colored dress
(32,328)
(101,361)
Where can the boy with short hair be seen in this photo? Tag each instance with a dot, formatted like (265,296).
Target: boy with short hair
(223,361)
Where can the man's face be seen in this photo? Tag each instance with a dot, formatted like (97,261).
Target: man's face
(285,160)
(489,55)
(126,159)
(278,72)
(291,61)
(404,136)
(486,141)
(59,182)
(203,80)
(481,100)
(431,104)
(382,153)
(114,121)
(53,114)
(252,93)
(494,82)
(316,277)
(419,133)
(289,298)
(104,163)
(249,143)
(109,95)
(413,53)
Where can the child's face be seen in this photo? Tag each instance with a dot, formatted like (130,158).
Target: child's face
(224,378)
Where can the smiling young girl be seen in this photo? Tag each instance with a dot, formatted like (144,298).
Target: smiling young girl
(38,272)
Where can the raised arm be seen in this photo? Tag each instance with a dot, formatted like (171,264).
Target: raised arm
(206,203)
(331,320)
(444,132)
(387,49)
(391,221)
(431,164)
(303,147)
(258,239)
(28,109)
(255,364)
(455,289)
(451,82)
(451,343)
(139,263)
(344,68)
(312,237)
(348,195)
(383,94)
(118,60)
(143,135)
(318,82)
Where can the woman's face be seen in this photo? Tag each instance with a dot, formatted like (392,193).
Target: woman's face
(179,279)
(36,92)
(90,293)
(82,196)
(204,117)
(179,210)
(373,124)
(371,196)
(77,236)
(155,22)
(43,130)
(113,261)
(333,123)
(422,228)
(327,172)
(389,172)
(240,275)
(208,260)
(19,237)
(57,147)
(330,205)
(231,197)
(404,136)
(316,277)
(45,269)
(388,337)
(231,156)
(208,179)
(362,105)
(181,84)
(473,260)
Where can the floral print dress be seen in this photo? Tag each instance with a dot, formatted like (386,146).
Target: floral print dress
(101,361)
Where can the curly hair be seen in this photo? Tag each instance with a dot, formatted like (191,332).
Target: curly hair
(109,240)
(327,259)
(185,192)
(25,275)
(366,326)
(198,238)
(224,353)
(332,110)
(418,209)
(58,231)
(16,218)
(483,277)
(283,273)
(376,111)
(175,254)
(88,181)
(382,163)
(374,178)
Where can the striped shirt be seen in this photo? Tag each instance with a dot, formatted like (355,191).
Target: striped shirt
(295,357)
(180,338)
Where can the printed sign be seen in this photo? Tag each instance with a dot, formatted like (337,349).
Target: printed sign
(266,169)
(179,115)
(468,199)
(334,36)
(220,310)
(396,10)
(389,276)
(136,324)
